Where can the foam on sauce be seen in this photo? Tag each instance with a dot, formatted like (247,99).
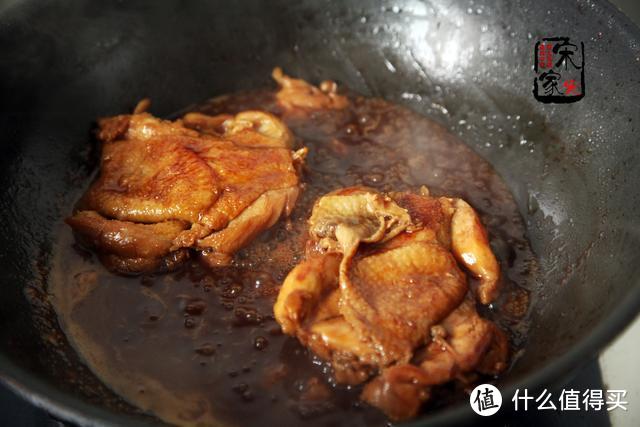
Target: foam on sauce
(202,347)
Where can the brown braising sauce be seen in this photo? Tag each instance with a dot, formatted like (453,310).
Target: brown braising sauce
(201,346)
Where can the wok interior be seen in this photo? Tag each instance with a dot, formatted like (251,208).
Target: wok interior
(572,168)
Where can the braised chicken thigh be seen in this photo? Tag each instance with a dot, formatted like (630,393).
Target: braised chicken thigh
(382,291)
(165,187)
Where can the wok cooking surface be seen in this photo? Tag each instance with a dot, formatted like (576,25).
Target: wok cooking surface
(575,175)
(18,412)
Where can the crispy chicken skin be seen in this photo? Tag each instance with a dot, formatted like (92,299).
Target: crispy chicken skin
(383,291)
(165,187)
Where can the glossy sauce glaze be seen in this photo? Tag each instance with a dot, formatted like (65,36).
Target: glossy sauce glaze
(202,346)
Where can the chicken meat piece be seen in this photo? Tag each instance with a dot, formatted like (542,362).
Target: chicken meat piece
(308,307)
(248,128)
(298,96)
(461,343)
(344,218)
(165,188)
(130,247)
(394,293)
(398,392)
(382,283)
(456,225)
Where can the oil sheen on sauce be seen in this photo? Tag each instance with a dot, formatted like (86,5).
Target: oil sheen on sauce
(201,346)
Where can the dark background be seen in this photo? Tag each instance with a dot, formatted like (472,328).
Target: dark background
(16,412)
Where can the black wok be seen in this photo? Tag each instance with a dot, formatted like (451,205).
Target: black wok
(573,168)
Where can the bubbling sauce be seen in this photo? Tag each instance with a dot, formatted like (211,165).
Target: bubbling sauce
(201,346)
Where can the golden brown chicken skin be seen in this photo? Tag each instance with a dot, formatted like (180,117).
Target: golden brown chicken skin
(383,292)
(297,96)
(165,188)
